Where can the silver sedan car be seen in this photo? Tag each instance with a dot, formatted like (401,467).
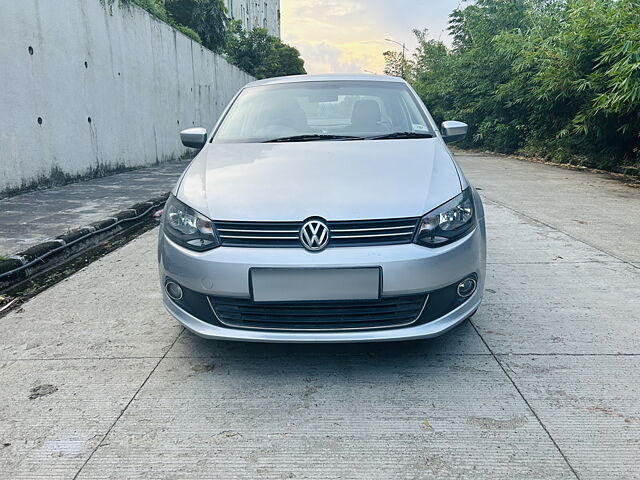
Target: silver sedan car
(323,209)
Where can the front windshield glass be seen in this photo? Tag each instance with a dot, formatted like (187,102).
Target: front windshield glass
(306,111)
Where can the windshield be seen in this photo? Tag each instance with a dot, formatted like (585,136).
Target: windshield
(328,110)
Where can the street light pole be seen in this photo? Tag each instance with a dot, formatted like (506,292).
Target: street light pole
(403,54)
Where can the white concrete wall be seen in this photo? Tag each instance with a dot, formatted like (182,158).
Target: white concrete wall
(141,84)
(256,13)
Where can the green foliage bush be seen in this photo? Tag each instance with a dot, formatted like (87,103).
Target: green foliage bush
(206,18)
(158,10)
(188,32)
(553,78)
(205,21)
(262,55)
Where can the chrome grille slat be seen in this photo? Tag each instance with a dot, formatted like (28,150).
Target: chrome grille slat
(236,230)
(340,230)
(257,238)
(349,233)
(374,235)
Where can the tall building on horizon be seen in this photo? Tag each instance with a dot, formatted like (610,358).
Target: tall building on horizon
(256,13)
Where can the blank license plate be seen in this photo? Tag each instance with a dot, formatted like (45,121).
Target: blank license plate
(309,284)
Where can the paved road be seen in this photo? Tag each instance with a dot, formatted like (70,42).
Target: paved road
(543,383)
(34,217)
(593,208)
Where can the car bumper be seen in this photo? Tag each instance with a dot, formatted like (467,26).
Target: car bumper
(429,330)
(407,269)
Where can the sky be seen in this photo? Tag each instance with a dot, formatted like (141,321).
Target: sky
(348,36)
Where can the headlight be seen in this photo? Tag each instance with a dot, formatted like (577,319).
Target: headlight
(188,228)
(448,222)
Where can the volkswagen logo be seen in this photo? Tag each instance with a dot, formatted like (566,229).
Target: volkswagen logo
(314,235)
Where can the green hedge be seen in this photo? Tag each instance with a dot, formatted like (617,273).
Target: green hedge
(558,79)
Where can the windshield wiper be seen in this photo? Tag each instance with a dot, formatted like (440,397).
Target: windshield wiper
(312,138)
(393,135)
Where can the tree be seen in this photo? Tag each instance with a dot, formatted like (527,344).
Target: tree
(261,54)
(256,52)
(158,10)
(554,78)
(180,10)
(396,65)
(289,60)
(207,17)
(433,75)
(210,21)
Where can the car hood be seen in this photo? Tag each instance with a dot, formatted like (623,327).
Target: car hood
(335,180)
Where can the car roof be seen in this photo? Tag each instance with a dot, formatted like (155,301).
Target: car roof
(324,78)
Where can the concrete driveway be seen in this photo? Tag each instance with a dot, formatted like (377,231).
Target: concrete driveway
(97,381)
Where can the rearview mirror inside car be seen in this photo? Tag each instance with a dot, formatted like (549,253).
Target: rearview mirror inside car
(323,97)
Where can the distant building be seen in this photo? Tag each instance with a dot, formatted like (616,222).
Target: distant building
(256,13)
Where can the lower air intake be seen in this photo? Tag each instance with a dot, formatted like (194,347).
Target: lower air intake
(388,312)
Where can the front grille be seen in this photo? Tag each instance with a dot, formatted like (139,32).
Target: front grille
(326,316)
(343,233)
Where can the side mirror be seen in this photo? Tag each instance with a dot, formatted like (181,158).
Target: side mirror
(453,131)
(194,137)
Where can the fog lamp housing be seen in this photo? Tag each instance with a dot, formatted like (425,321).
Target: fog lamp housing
(174,290)
(467,287)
